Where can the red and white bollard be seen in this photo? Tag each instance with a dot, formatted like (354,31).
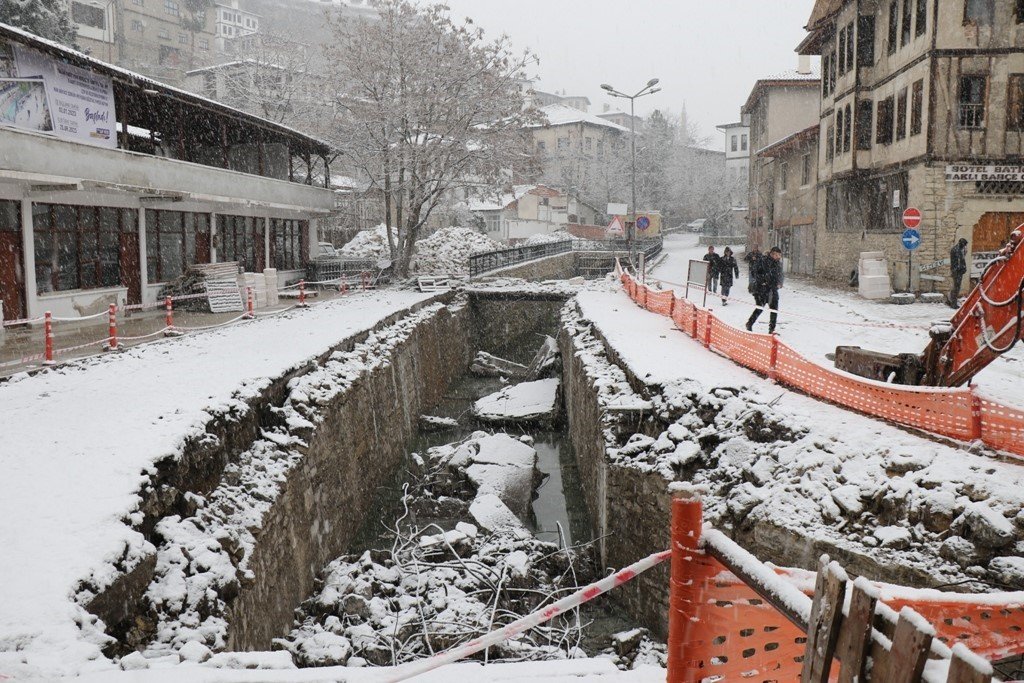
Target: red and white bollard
(302,293)
(48,338)
(343,287)
(169,317)
(112,332)
(366,280)
(251,312)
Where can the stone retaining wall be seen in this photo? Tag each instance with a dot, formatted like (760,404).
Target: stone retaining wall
(558,267)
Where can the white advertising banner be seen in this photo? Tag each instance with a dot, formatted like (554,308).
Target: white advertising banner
(961,173)
(40,93)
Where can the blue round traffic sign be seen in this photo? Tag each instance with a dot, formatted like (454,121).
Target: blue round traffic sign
(911,239)
(643,222)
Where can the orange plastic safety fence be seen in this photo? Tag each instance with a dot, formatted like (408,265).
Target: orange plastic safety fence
(992,630)
(949,412)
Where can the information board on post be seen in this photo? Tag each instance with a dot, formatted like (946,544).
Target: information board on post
(698,274)
(43,94)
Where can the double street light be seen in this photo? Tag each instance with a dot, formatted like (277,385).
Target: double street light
(648,89)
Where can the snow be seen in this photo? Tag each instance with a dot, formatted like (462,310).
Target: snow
(447,251)
(497,464)
(519,402)
(561,115)
(67,492)
(774,457)
(596,670)
(815,319)
(371,243)
(493,515)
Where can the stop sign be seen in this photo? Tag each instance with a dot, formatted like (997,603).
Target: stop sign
(912,217)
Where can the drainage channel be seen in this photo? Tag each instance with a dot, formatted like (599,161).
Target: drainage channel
(334,625)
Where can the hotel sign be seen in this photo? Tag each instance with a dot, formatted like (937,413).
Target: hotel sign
(958,173)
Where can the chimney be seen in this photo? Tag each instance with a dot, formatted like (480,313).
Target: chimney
(804,65)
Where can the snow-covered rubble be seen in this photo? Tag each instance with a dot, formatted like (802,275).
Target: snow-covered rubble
(771,459)
(520,403)
(448,250)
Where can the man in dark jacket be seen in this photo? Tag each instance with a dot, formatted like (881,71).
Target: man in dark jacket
(958,268)
(751,258)
(727,268)
(714,261)
(767,272)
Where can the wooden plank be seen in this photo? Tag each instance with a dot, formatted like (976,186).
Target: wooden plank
(909,652)
(855,637)
(965,667)
(826,619)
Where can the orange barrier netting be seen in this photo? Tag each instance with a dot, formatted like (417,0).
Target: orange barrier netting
(958,413)
(720,627)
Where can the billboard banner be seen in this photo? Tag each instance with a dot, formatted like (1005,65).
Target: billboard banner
(43,94)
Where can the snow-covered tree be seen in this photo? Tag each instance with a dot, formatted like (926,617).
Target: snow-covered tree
(45,18)
(426,106)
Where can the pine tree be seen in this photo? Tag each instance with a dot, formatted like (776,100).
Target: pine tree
(45,18)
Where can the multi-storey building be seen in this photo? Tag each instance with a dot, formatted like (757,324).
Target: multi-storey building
(232,24)
(777,108)
(157,38)
(922,105)
(737,159)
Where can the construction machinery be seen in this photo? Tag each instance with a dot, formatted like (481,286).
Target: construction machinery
(987,325)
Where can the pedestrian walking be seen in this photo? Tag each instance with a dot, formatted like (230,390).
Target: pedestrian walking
(751,258)
(713,260)
(727,269)
(767,281)
(958,268)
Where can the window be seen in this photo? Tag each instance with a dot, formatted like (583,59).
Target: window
(847,130)
(849,47)
(734,143)
(136,25)
(164,34)
(883,123)
(743,142)
(972,101)
(829,143)
(204,44)
(865,111)
(783,176)
(826,61)
(79,247)
(1019,11)
(140,3)
(174,241)
(908,16)
(894,29)
(917,108)
(241,239)
(588,144)
(866,40)
(563,143)
(88,15)
(840,127)
(841,51)
(541,146)
(980,12)
(1015,103)
(182,39)
(171,7)
(287,245)
(865,204)
(600,149)
(901,115)
(832,75)
(805,170)
(921,23)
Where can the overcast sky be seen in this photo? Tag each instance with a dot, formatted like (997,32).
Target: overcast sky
(707,53)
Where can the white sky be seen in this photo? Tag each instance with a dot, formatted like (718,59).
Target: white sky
(707,53)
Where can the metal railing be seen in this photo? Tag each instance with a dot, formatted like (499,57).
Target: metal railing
(501,258)
(332,269)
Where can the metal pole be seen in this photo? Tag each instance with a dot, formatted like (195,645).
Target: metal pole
(632,228)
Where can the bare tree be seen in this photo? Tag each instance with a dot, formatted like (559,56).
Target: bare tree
(426,106)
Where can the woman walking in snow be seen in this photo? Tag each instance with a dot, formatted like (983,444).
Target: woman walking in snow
(727,269)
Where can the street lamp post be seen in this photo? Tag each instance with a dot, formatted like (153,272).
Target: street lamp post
(648,89)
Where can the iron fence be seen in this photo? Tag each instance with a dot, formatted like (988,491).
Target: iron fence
(501,258)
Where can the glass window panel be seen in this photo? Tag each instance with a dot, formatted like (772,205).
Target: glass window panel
(152,249)
(108,219)
(88,259)
(10,216)
(46,254)
(110,253)
(170,255)
(129,220)
(66,245)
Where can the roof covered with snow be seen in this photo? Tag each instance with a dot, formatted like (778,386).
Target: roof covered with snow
(506,199)
(562,115)
(784,79)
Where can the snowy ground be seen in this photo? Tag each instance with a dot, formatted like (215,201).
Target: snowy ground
(73,463)
(775,456)
(815,319)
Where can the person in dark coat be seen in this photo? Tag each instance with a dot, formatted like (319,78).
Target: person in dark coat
(713,260)
(767,281)
(751,258)
(727,268)
(958,268)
